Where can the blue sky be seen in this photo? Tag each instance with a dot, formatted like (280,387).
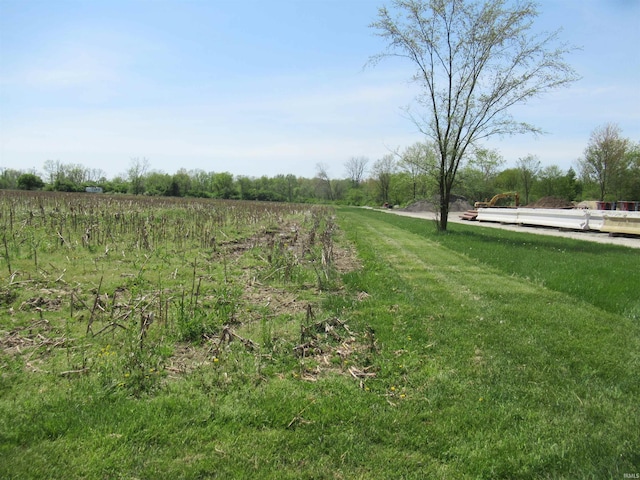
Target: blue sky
(265,87)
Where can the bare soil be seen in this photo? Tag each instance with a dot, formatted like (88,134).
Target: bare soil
(551,202)
(457,204)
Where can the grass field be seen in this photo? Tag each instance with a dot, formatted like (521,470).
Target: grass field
(250,341)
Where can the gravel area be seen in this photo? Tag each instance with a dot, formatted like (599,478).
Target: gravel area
(590,236)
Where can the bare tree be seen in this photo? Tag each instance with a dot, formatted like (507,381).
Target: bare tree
(53,170)
(605,158)
(324,181)
(356,167)
(138,168)
(473,62)
(528,167)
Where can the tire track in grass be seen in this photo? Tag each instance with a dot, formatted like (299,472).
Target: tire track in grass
(427,265)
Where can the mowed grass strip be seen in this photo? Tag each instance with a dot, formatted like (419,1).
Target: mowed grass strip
(510,378)
(603,275)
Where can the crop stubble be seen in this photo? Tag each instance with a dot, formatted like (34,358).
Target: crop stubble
(167,285)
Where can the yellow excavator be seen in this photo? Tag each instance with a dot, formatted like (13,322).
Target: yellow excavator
(494,200)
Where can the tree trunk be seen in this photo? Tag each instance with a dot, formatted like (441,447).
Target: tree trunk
(444,207)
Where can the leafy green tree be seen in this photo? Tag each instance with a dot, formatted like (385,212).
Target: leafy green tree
(247,188)
(508,180)
(180,183)
(479,175)
(63,184)
(117,184)
(631,184)
(420,163)
(473,185)
(306,190)
(605,160)
(553,182)
(473,62)
(30,181)
(157,184)
(9,178)
(549,180)
(223,185)
(201,183)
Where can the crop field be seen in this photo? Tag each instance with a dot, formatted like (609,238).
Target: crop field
(129,291)
(179,338)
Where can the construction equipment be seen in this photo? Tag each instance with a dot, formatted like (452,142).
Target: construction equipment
(472,215)
(494,200)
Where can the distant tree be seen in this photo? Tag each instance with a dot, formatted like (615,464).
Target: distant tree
(285,186)
(479,175)
(266,189)
(29,181)
(180,183)
(572,185)
(528,167)
(605,161)
(201,183)
(157,184)
(63,184)
(306,190)
(53,169)
(420,163)
(508,180)
(488,162)
(223,185)
(137,170)
(473,62)
(382,171)
(9,178)
(292,187)
(247,188)
(76,174)
(70,177)
(549,181)
(323,181)
(118,184)
(95,175)
(356,167)
(631,183)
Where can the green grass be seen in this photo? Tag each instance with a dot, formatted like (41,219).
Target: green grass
(543,381)
(489,363)
(600,274)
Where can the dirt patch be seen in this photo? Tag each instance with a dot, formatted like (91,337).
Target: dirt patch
(42,303)
(7,296)
(457,204)
(551,202)
(32,341)
(279,301)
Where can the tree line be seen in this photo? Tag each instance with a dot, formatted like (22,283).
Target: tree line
(609,170)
